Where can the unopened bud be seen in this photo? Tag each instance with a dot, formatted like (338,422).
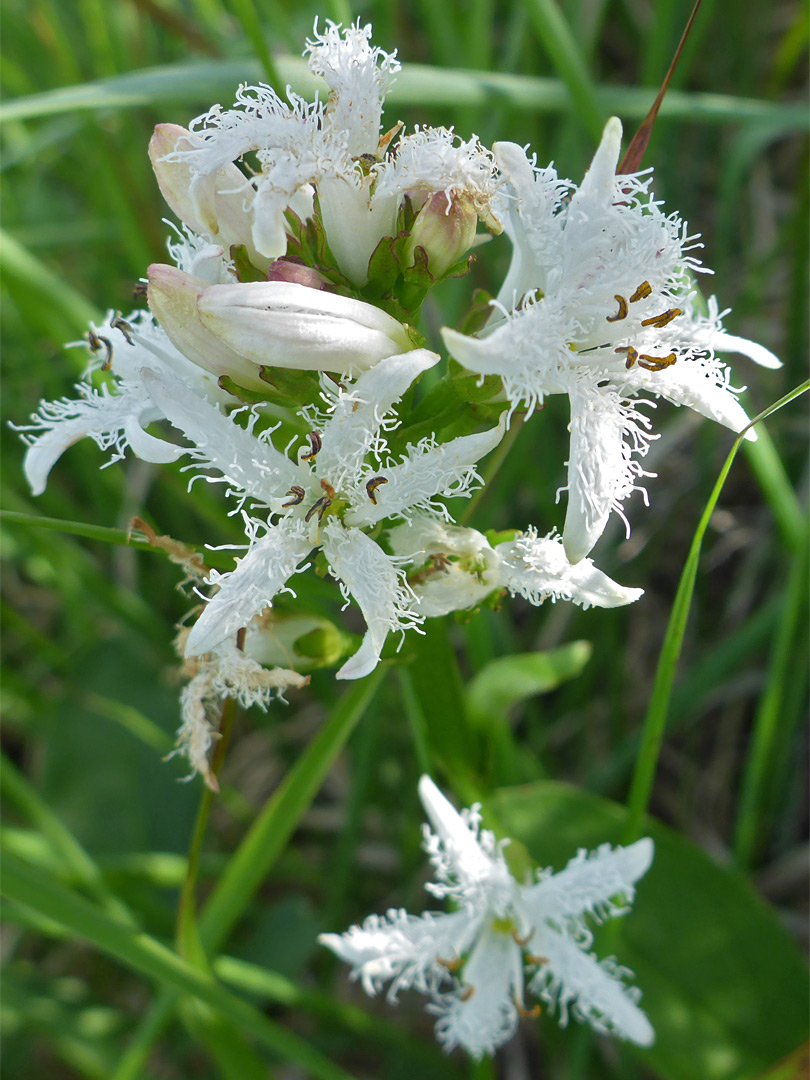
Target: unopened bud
(304,642)
(284,324)
(445,229)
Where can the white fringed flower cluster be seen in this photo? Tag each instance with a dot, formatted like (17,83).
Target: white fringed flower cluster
(280,358)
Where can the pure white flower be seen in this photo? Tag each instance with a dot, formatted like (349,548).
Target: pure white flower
(599,304)
(325,499)
(471,961)
(116,414)
(336,149)
(462,568)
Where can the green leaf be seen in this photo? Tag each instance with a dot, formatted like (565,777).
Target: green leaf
(28,886)
(504,682)
(724,985)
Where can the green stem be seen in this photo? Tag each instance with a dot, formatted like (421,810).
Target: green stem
(491,469)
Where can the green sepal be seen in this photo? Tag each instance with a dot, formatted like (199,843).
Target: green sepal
(477,314)
(245,270)
(307,243)
(248,397)
(289,386)
(501,536)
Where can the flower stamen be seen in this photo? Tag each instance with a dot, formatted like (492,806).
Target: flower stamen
(531,958)
(522,941)
(120,323)
(523,1012)
(466,992)
(372,486)
(642,292)
(451,965)
(622,312)
(320,507)
(632,355)
(656,363)
(664,319)
(315,440)
(96,342)
(297,493)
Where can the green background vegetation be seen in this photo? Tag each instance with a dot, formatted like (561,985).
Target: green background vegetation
(319,799)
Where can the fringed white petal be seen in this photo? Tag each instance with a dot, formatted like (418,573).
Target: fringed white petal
(430,470)
(598,186)
(451,589)
(259,576)
(355,221)
(572,979)
(372,578)
(425,535)
(358,413)
(605,434)
(723,342)
(600,883)
(482,1015)
(405,950)
(539,569)
(461,855)
(250,465)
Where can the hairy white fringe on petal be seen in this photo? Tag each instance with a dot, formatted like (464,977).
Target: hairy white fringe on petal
(196,734)
(606,433)
(482,1015)
(249,464)
(358,77)
(430,470)
(539,569)
(378,586)
(259,576)
(436,159)
(598,883)
(405,949)
(573,980)
(239,676)
(357,415)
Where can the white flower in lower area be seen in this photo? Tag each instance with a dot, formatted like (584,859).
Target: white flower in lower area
(472,961)
(325,499)
(226,672)
(598,304)
(115,414)
(458,568)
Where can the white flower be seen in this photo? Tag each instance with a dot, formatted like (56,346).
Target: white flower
(225,672)
(117,414)
(236,329)
(334,149)
(463,568)
(500,927)
(325,499)
(598,304)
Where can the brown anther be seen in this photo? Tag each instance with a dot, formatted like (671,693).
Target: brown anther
(522,941)
(467,992)
(318,508)
(440,562)
(298,494)
(119,323)
(451,965)
(632,355)
(372,486)
(327,487)
(642,292)
(523,1012)
(621,313)
(315,440)
(664,319)
(656,363)
(531,958)
(96,342)
(140,289)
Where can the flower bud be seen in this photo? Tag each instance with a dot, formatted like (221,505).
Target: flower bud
(305,642)
(211,204)
(284,324)
(445,228)
(172,298)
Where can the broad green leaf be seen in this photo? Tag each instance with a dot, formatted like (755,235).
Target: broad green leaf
(504,682)
(724,984)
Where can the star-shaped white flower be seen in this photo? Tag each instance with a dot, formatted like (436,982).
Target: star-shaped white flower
(598,304)
(335,149)
(461,568)
(471,961)
(326,499)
